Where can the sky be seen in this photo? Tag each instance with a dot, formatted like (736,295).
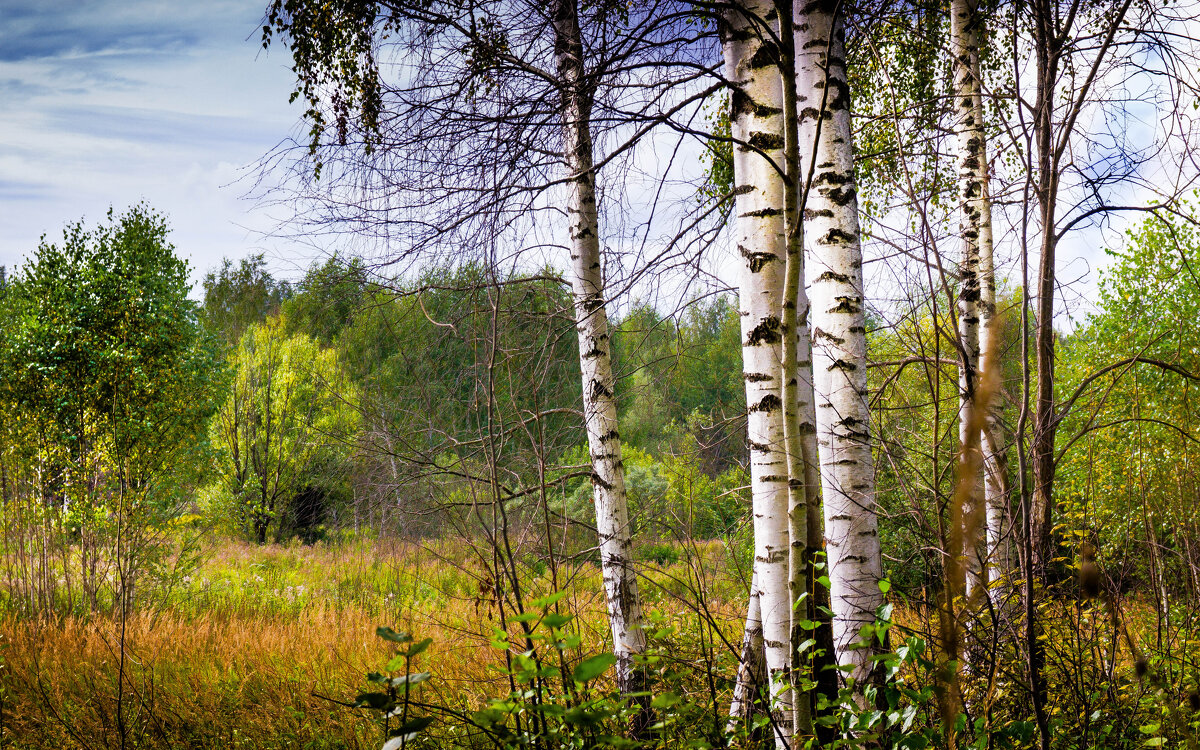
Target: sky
(111,102)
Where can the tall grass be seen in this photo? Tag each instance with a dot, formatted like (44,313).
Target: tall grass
(249,649)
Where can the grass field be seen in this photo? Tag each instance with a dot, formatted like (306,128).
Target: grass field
(248,649)
(261,647)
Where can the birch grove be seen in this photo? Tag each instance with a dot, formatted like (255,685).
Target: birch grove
(565,134)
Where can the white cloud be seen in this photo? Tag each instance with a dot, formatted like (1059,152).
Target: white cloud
(111,102)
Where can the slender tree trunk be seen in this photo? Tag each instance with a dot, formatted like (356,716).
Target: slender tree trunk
(757,126)
(965,24)
(751,668)
(599,402)
(1047,46)
(997,490)
(799,401)
(1044,427)
(839,335)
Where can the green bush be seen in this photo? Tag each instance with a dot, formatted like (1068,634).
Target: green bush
(660,554)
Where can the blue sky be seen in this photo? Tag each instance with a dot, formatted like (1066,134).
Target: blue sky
(108,102)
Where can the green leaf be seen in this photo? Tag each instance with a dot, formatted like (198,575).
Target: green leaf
(411,679)
(590,669)
(394,636)
(580,716)
(417,648)
(377,701)
(884,585)
(412,726)
(549,600)
(555,620)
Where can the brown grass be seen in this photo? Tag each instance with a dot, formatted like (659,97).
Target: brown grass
(232,659)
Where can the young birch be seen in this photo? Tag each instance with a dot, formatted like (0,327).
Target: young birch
(839,334)
(595,360)
(756,119)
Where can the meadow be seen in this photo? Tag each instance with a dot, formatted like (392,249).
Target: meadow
(260,645)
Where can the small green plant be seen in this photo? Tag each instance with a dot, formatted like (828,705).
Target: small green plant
(555,700)
(392,701)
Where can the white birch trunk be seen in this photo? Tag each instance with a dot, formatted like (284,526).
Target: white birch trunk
(756,121)
(969,137)
(750,666)
(977,303)
(839,335)
(595,362)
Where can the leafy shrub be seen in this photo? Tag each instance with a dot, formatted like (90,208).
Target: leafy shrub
(660,554)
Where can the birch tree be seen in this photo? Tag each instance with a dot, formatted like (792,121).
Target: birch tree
(799,411)
(480,138)
(838,334)
(976,298)
(595,360)
(757,129)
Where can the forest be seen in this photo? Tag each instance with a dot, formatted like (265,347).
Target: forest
(661,374)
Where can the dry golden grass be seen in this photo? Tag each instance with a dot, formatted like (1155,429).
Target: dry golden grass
(241,654)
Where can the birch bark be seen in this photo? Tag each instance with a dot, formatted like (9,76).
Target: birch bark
(974,179)
(756,121)
(839,335)
(750,666)
(799,404)
(595,361)
(974,224)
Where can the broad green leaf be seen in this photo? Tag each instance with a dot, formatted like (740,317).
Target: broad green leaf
(394,636)
(591,668)
(411,679)
(545,602)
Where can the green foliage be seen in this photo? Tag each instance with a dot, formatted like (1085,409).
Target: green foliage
(426,362)
(1129,473)
(670,496)
(327,299)
(915,398)
(237,297)
(899,75)
(284,433)
(717,156)
(557,698)
(333,50)
(682,377)
(660,554)
(392,699)
(107,382)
